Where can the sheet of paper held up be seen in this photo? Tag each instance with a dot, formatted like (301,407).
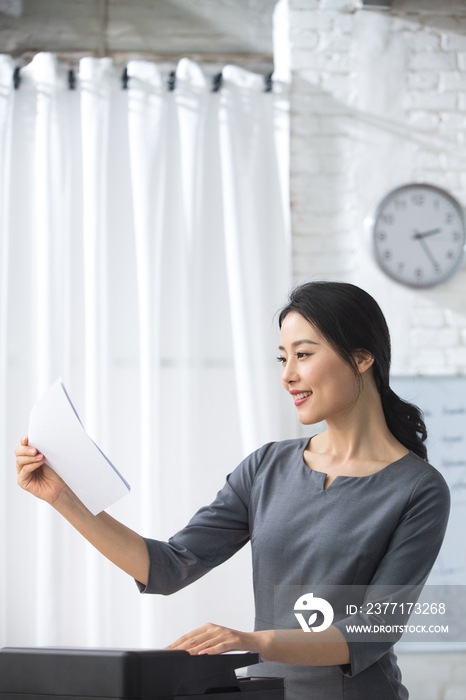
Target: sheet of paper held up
(56,430)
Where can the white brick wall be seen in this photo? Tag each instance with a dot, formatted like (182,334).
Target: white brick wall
(378,100)
(322,148)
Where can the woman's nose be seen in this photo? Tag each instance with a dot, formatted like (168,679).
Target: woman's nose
(289,373)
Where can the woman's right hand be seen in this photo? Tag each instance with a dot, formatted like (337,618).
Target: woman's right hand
(122,546)
(35,476)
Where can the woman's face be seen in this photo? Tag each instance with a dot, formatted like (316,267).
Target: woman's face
(323,386)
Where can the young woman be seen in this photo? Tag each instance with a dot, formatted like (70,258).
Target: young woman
(355,505)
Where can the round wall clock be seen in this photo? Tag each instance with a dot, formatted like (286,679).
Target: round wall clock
(418,234)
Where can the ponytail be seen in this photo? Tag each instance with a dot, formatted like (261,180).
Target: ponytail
(350,319)
(405,421)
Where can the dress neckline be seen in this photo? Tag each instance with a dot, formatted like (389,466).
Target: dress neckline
(322,475)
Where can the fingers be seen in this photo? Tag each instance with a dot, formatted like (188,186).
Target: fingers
(200,631)
(25,449)
(24,471)
(192,639)
(208,639)
(33,462)
(26,455)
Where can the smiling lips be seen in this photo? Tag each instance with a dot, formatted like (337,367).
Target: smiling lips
(300,397)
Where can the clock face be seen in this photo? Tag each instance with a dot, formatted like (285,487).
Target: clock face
(419,235)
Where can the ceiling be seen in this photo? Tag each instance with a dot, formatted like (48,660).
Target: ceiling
(155,26)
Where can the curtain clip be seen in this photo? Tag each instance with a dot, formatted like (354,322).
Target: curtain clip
(125,78)
(171,80)
(17,77)
(217,81)
(71,79)
(268,82)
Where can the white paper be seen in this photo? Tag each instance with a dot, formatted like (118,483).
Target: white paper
(57,432)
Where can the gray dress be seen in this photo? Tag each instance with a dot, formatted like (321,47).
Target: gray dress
(385,528)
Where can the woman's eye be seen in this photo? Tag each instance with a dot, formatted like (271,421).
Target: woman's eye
(299,355)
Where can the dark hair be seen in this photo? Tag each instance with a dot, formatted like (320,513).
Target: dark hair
(350,319)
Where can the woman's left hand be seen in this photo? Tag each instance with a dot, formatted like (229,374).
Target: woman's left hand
(215,639)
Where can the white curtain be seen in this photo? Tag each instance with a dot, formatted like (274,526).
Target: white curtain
(145,249)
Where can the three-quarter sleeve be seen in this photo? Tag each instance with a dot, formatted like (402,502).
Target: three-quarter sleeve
(211,537)
(410,555)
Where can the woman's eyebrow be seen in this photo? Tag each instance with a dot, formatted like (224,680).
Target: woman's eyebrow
(299,342)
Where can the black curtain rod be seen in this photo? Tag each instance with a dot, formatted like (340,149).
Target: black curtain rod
(217,80)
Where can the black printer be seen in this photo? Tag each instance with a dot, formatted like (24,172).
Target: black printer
(58,673)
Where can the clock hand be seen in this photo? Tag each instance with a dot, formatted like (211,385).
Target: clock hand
(428,252)
(419,236)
